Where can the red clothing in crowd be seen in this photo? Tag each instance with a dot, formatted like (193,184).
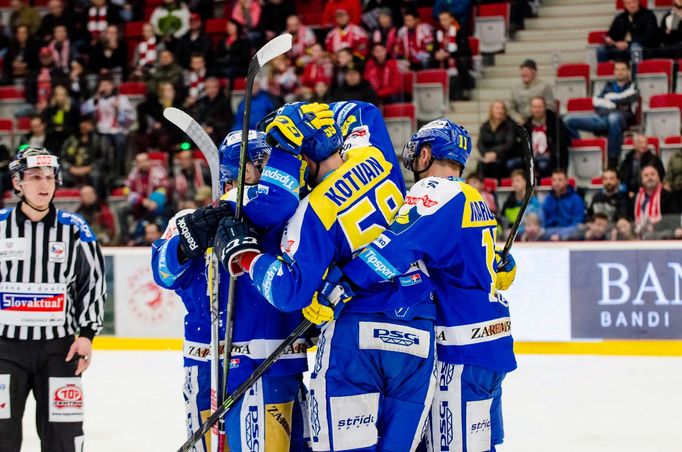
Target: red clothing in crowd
(303,40)
(353,37)
(384,78)
(415,45)
(317,71)
(389,38)
(352,7)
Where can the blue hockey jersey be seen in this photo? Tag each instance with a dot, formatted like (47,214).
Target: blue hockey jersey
(258,327)
(447,224)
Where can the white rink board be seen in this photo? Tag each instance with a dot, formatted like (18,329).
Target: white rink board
(551,403)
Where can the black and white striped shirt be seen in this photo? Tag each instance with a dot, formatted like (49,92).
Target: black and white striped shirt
(52,281)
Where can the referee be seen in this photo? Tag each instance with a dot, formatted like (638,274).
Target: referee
(51,287)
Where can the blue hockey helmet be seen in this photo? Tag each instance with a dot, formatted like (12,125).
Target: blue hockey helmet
(448,141)
(257,150)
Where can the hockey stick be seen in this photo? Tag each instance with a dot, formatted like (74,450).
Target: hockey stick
(207,147)
(529,165)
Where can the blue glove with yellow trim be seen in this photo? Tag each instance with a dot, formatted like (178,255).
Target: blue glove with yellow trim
(329,300)
(505,273)
(297,122)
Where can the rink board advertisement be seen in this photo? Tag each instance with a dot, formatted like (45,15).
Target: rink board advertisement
(626,294)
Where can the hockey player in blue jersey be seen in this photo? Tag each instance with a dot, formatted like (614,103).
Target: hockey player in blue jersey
(374,368)
(447,224)
(265,419)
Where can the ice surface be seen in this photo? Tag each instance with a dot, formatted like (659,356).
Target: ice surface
(558,403)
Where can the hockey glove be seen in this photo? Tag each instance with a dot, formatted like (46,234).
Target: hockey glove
(296,122)
(505,273)
(236,244)
(197,229)
(329,300)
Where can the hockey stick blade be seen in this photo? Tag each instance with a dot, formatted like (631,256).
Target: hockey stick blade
(273,48)
(203,141)
(243,388)
(530,188)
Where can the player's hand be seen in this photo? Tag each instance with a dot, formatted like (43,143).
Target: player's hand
(505,273)
(298,121)
(329,300)
(197,229)
(81,349)
(236,242)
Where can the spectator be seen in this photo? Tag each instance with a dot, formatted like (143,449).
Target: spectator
(170,20)
(39,83)
(152,232)
(671,32)
(549,138)
(623,231)
(656,209)
(459,9)
(415,41)
(115,115)
(100,16)
(346,34)
(383,75)
(21,57)
(343,59)
(614,110)
(86,158)
(303,41)
(194,42)
(319,69)
(639,157)
(452,52)
(56,16)
(147,186)
(63,51)
(532,229)
(512,205)
(497,143)
(195,80)
(158,133)
(167,71)
(321,93)
(110,54)
(190,175)
(248,13)
(77,82)
(37,136)
(24,14)
(610,200)
(145,53)
(385,32)
(233,56)
(673,177)
(529,87)
(355,88)
(488,197)
(563,209)
(213,110)
(261,105)
(374,9)
(596,228)
(282,79)
(275,17)
(61,117)
(203,196)
(353,9)
(205,8)
(633,29)
(98,215)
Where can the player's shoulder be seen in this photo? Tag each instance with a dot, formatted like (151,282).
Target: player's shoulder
(172,228)
(78,222)
(432,193)
(5,213)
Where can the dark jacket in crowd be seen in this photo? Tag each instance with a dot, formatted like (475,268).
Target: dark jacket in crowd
(274,16)
(29,54)
(501,141)
(642,28)
(215,113)
(625,97)
(671,36)
(615,206)
(118,59)
(565,210)
(362,91)
(629,169)
(557,139)
(187,46)
(234,57)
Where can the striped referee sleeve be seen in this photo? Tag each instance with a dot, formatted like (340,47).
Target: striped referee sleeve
(90,288)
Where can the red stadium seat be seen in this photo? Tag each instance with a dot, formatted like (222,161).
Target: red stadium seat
(547,182)
(401,123)
(133,89)
(671,146)
(160,157)
(7,132)
(431,92)
(580,105)
(216,29)
(596,180)
(572,80)
(491,26)
(604,73)
(133,30)
(490,185)
(505,182)
(239,84)
(663,117)
(67,193)
(596,37)
(11,97)
(407,82)
(586,159)
(311,18)
(654,77)
(426,15)
(621,6)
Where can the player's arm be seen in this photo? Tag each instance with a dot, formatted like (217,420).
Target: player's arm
(91,290)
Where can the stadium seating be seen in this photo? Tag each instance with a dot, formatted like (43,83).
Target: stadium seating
(216,29)
(579,105)
(594,40)
(7,132)
(11,98)
(401,123)
(431,93)
(135,91)
(572,80)
(654,77)
(671,145)
(477,59)
(654,144)
(620,5)
(586,158)
(662,119)
(237,93)
(604,73)
(492,26)
(407,84)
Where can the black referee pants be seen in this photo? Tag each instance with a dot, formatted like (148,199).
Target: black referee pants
(29,365)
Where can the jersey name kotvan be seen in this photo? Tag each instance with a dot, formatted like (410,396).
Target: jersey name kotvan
(353,180)
(480,212)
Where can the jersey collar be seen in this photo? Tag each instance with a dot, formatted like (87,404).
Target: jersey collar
(48,219)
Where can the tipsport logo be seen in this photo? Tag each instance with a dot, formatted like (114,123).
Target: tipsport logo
(252,429)
(445,426)
(447,371)
(396,337)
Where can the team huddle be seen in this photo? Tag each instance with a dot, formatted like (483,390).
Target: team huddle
(413,338)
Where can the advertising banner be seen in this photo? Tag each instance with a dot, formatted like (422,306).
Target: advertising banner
(626,294)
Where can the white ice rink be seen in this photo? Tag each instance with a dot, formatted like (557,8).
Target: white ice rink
(551,403)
